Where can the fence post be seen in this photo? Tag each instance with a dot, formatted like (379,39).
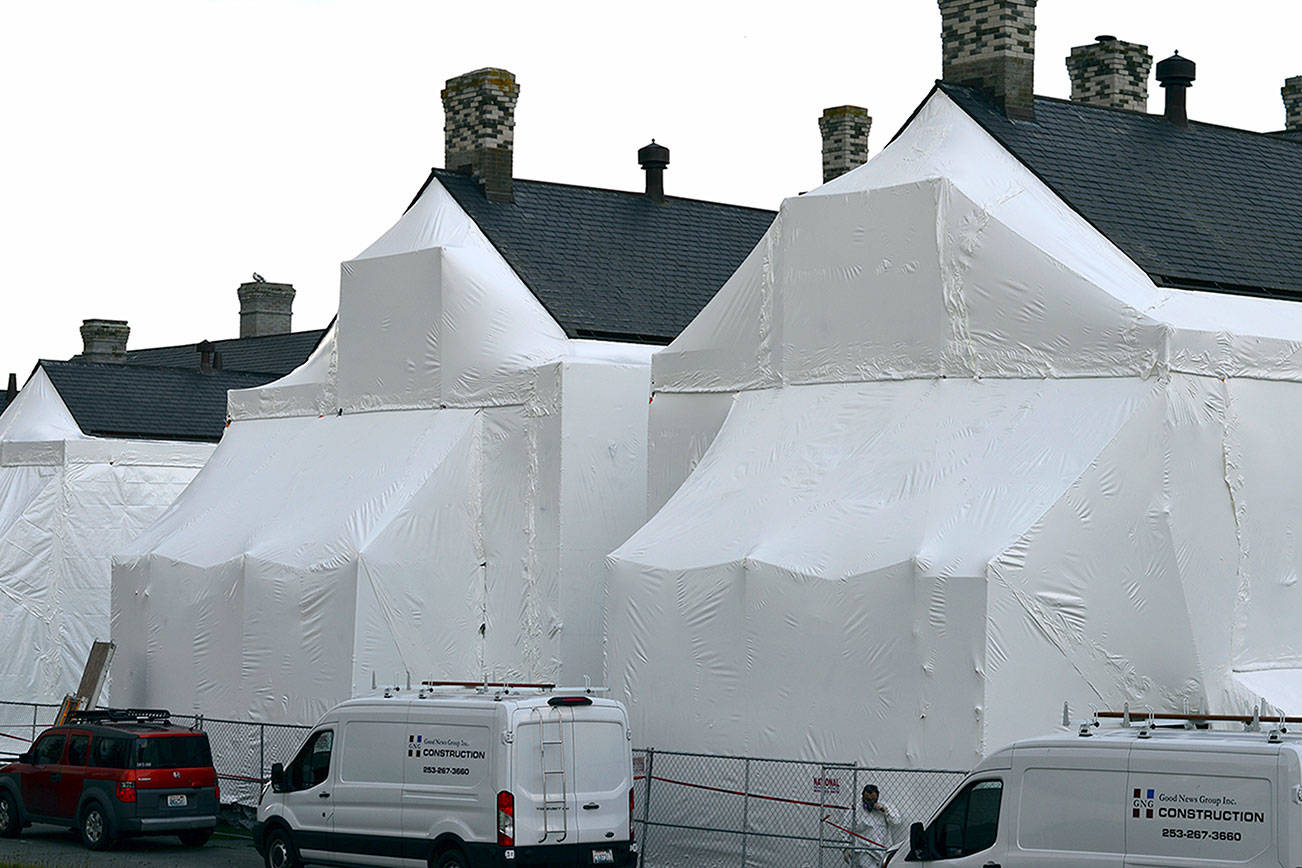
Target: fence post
(822,806)
(35,709)
(262,752)
(745,808)
(855,798)
(646,806)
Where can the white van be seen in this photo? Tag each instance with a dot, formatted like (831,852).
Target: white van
(1130,796)
(455,778)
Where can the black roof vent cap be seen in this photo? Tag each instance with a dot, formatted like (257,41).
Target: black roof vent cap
(1176,74)
(654,159)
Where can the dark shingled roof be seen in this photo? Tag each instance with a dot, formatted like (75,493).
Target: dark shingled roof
(149,403)
(1202,207)
(269,354)
(609,264)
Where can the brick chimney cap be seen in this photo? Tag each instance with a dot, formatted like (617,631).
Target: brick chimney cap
(205,346)
(1105,38)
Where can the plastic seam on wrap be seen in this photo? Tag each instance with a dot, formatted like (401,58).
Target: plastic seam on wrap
(530,627)
(770,326)
(477,493)
(952,272)
(1232,462)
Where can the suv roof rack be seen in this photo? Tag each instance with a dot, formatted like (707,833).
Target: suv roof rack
(113,715)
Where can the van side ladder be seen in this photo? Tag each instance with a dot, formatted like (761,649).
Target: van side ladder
(551,755)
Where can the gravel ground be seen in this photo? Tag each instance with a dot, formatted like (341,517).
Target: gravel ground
(51,846)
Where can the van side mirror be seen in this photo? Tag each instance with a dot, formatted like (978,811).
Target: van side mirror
(278,777)
(917,844)
(25,758)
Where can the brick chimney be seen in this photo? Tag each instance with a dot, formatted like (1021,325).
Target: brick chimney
(1110,73)
(265,308)
(479,129)
(989,45)
(104,340)
(845,139)
(1292,93)
(11,389)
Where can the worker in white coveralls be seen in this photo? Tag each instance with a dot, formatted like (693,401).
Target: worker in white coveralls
(873,828)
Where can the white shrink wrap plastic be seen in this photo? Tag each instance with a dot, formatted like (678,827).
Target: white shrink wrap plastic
(945,458)
(67,502)
(431,494)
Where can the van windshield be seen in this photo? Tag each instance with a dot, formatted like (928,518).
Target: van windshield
(173,752)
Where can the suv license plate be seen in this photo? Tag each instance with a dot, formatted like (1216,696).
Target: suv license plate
(603,857)
(176,801)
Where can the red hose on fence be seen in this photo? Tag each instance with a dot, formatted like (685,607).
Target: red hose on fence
(826,817)
(740,793)
(848,832)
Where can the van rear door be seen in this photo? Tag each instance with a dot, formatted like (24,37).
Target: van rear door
(603,774)
(545,804)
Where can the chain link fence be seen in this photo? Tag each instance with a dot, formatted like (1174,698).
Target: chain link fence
(710,811)
(691,809)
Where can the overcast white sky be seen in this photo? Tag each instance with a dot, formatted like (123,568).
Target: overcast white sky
(157,153)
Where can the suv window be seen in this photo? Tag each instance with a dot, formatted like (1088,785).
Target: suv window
(970,822)
(312,765)
(173,752)
(78,748)
(49,749)
(109,752)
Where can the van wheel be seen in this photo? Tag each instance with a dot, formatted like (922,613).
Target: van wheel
(10,827)
(280,850)
(95,828)
(453,858)
(194,837)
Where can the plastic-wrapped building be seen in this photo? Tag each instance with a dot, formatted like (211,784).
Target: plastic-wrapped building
(944,454)
(432,494)
(91,452)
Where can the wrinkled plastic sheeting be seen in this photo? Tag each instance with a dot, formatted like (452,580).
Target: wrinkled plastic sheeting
(312,553)
(435,328)
(918,562)
(308,390)
(65,505)
(829,553)
(432,493)
(944,256)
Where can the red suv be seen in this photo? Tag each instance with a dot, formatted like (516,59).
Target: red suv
(112,773)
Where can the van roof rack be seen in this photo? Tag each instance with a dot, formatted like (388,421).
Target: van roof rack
(139,715)
(1149,719)
(508,685)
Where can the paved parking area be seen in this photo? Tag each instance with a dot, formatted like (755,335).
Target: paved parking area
(49,846)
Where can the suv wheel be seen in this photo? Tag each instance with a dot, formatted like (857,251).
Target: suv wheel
(195,837)
(10,826)
(280,850)
(95,828)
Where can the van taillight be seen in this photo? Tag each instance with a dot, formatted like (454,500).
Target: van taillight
(630,813)
(217,790)
(126,791)
(505,819)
